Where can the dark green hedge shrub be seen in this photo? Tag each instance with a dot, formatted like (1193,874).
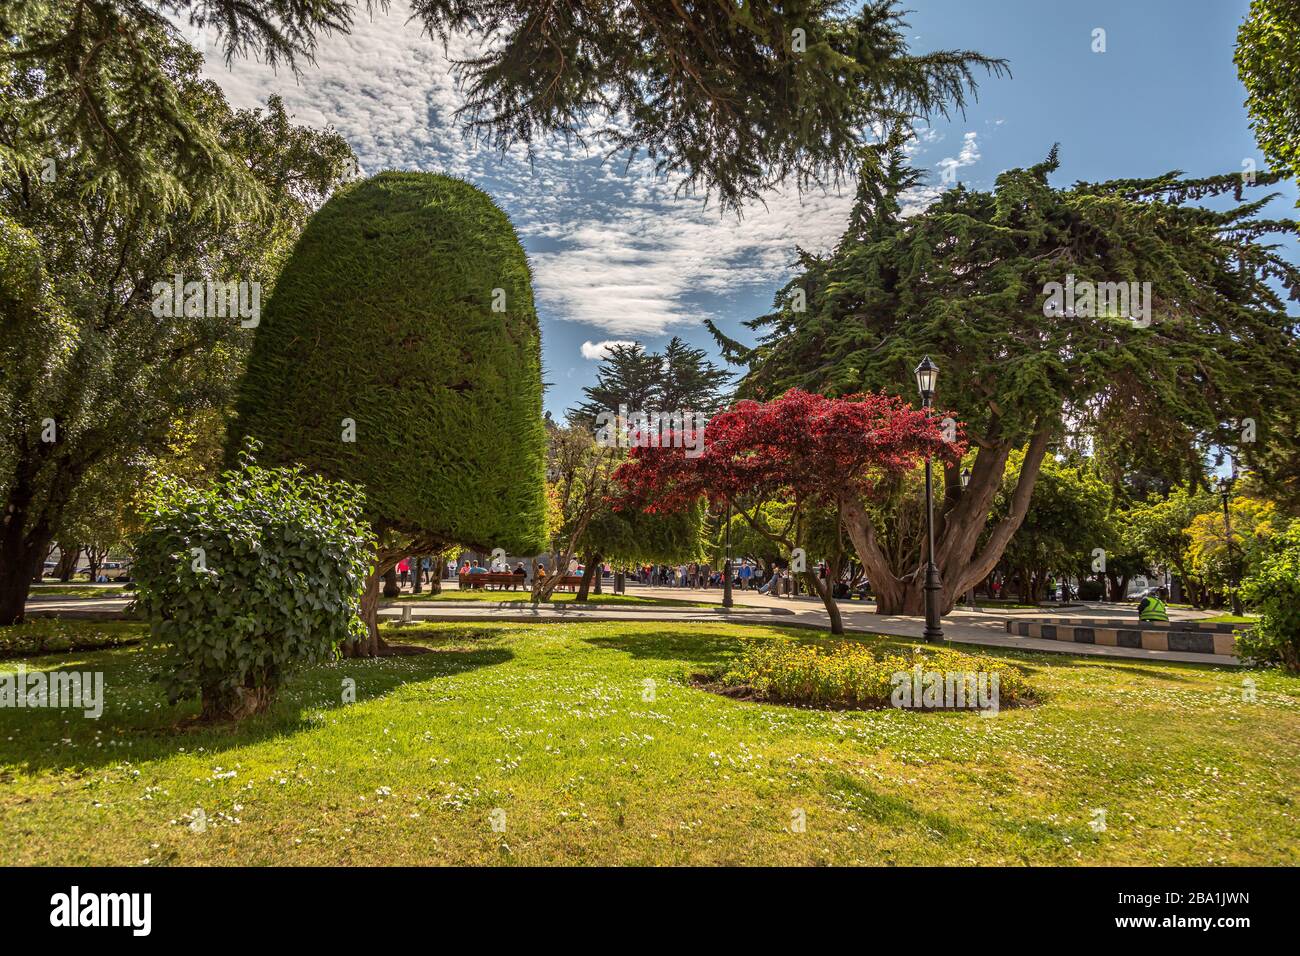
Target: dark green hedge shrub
(248,578)
(384,317)
(1091,590)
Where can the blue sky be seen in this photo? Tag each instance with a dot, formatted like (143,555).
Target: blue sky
(618,257)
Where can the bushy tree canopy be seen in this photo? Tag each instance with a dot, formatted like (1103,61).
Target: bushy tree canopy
(1268,63)
(88,368)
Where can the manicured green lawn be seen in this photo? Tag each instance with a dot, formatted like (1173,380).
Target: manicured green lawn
(79,590)
(1227,618)
(548,724)
(557,596)
(51,635)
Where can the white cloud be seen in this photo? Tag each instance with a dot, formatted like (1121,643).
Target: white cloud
(612,245)
(968,156)
(595,351)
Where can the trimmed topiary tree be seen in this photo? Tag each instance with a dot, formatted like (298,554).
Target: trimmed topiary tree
(400,351)
(633,537)
(248,578)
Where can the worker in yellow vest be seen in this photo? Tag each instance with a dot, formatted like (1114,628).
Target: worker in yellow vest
(1152,607)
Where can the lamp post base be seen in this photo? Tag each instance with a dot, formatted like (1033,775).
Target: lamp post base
(933,592)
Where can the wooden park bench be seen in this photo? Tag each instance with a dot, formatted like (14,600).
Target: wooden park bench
(498,578)
(502,579)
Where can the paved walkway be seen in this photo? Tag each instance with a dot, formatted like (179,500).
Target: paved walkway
(987,628)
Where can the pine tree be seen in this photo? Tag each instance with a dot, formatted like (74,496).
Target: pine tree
(628,376)
(967,282)
(679,379)
(732,98)
(690,382)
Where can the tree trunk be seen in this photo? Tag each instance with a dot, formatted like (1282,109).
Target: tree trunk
(436,572)
(21,557)
(417,570)
(600,577)
(824,591)
(587,572)
(385,560)
(235,704)
(68,558)
(95,557)
(15,585)
(391,588)
(958,530)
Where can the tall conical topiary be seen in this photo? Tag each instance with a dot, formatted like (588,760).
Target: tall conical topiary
(400,351)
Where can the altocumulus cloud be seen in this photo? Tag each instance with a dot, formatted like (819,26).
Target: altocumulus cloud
(611,244)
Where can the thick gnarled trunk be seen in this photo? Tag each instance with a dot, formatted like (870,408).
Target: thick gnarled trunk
(22,553)
(959,520)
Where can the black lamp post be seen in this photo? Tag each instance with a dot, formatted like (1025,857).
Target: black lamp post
(927,373)
(970,594)
(726,564)
(1225,492)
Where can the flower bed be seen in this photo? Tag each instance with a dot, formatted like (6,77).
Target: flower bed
(850,675)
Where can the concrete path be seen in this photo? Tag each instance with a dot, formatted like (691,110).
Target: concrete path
(987,628)
(960,627)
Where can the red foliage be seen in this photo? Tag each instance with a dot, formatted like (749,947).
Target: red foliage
(800,447)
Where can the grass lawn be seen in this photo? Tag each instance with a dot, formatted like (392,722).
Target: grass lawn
(557,596)
(79,590)
(51,635)
(1228,618)
(547,723)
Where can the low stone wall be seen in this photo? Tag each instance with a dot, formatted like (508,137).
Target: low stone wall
(1185,636)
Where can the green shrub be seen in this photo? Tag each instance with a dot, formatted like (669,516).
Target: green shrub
(244,580)
(850,675)
(1091,590)
(1273,589)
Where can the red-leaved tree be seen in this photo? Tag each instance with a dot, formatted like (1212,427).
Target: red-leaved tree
(802,448)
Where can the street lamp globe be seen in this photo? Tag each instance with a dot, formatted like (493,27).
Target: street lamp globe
(927,374)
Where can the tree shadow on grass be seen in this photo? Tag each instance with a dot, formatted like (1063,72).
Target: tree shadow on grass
(891,811)
(696,648)
(138,725)
(702,647)
(1185,672)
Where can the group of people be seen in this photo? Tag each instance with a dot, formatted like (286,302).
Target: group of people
(518,575)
